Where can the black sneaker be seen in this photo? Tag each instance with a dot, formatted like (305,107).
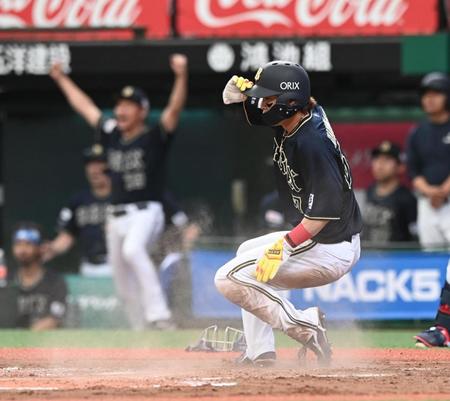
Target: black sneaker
(266,359)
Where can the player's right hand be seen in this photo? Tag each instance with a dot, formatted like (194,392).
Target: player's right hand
(56,71)
(232,92)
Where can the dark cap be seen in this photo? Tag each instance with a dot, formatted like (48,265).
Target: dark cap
(436,81)
(134,94)
(387,148)
(94,153)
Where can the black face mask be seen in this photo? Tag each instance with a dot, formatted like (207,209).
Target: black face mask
(278,113)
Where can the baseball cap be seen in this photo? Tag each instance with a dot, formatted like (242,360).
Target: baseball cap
(29,233)
(134,94)
(387,148)
(94,153)
(436,81)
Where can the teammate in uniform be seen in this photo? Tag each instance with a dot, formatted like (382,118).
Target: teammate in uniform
(84,218)
(429,167)
(428,157)
(315,187)
(390,210)
(136,160)
(41,296)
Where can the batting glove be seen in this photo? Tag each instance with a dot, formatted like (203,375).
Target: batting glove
(267,267)
(234,88)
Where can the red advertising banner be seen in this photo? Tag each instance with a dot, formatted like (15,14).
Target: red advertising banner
(358,139)
(268,18)
(102,16)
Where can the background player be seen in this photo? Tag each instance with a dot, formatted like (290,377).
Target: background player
(390,209)
(429,167)
(84,218)
(136,159)
(41,293)
(315,187)
(428,156)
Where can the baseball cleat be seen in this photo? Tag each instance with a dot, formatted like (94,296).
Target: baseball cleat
(318,344)
(435,336)
(265,360)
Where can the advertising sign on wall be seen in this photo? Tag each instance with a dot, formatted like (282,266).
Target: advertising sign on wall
(153,16)
(382,285)
(248,18)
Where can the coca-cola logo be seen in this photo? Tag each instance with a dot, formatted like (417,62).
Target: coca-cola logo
(307,13)
(68,13)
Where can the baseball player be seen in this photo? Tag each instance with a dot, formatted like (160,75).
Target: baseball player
(429,167)
(83,219)
(136,160)
(315,187)
(428,158)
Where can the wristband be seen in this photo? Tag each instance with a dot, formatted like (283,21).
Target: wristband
(297,235)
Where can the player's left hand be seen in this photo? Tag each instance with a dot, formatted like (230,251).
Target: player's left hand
(267,267)
(179,63)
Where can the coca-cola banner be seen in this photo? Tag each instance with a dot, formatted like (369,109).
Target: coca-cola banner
(249,18)
(151,16)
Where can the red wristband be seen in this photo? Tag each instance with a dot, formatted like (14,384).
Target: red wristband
(297,235)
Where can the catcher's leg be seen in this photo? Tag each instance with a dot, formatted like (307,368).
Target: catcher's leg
(438,335)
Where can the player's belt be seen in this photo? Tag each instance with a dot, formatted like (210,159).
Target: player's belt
(121,210)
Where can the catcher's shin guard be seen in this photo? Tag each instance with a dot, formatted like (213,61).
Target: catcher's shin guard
(443,314)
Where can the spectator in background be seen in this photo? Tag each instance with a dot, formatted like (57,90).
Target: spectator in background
(390,210)
(41,296)
(428,156)
(83,219)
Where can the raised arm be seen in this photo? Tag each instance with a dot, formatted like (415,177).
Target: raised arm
(79,100)
(171,114)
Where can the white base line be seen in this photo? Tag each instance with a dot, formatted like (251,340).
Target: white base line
(29,388)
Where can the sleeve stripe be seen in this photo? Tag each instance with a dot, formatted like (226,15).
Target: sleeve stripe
(321,218)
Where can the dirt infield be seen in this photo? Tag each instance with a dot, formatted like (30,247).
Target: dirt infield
(138,374)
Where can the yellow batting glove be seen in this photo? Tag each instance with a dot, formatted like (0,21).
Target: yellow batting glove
(267,267)
(242,83)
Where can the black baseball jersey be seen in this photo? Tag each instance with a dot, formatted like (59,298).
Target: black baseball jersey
(313,176)
(84,218)
(428,152)
(137,167)
(390,217)
(47,298)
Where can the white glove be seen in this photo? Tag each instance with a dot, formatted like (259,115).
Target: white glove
(234,88)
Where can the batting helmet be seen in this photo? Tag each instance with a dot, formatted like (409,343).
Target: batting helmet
(286,80)
(436,81)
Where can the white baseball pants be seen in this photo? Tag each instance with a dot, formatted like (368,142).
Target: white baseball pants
(433,224)
(130,238)
(264,305)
